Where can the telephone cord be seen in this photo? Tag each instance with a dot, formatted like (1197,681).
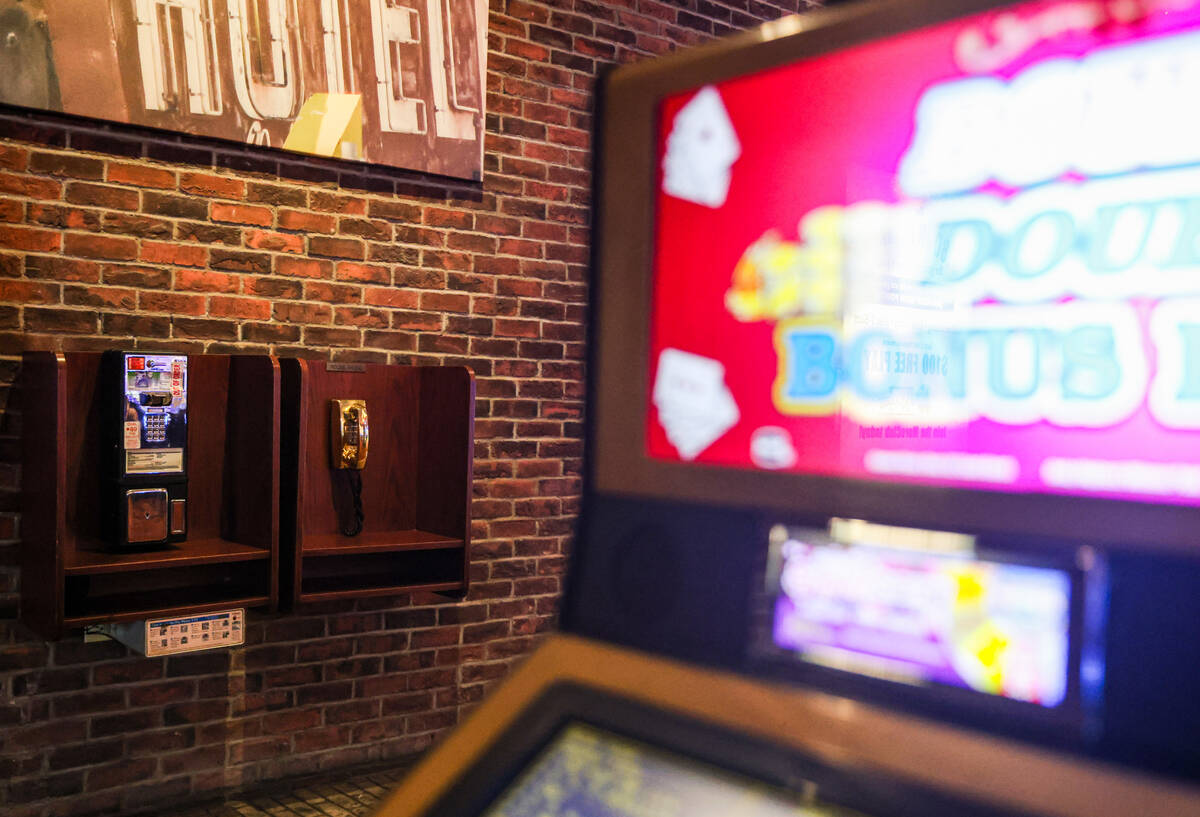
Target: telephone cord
(356,489)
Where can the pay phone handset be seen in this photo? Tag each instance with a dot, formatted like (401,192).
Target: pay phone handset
(349,436)
(147,395)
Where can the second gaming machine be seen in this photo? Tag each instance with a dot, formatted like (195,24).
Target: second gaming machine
(893,488)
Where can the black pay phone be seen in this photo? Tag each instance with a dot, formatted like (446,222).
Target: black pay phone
(147,394)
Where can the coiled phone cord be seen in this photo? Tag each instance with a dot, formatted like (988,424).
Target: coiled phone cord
(355,528)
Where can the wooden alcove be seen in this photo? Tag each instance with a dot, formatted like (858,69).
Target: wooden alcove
(416,486)
(69,576)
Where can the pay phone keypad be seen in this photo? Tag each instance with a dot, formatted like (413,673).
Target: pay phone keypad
(156,428)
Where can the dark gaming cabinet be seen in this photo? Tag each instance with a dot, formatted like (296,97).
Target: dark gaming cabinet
(893,495)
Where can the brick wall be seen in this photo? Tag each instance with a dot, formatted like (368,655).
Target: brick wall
(115,237)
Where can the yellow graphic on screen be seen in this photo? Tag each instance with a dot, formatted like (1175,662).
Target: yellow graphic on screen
(980,647)
(777,279)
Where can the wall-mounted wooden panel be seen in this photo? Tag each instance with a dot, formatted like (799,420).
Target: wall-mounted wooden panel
(416,486)
(71,574)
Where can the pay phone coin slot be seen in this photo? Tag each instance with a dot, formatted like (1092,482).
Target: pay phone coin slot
(146,515)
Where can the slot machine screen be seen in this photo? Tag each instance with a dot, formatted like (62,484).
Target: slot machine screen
(590,772)
(933,260)
(923,618)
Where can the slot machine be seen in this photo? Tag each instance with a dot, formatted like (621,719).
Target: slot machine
(893,470)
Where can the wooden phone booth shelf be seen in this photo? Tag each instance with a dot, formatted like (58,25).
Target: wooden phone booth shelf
(416,483)
(70,576)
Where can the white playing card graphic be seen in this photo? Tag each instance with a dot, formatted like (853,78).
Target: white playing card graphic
(694,406)
(771,447)
(701,149)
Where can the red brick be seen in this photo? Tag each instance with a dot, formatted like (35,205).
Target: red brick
(270,333)
(404,704)
(244,308)
(137,326)
(390,296)
(69,165)
(204,329)
(121,773)
(352,711)
(75,321)
(240,261)
(194,712)
(365,228)
(260,749)
(161,741)
(32,187)
(329,247)
(205,281)
(430,721)
(11,210)
(324,336)
(277,242)
(100,246)
(336,203)
(120,275)
(302,313)
(61,269)
(290,721)
(164,204)
(13,157)
(506,327)
(66,218)
(303,267)
(133,224)
(180,255)
(445,301)
(28,292)
(100,297)
(430,321)
(206,757)
(332,293)
(441,637)
(456,219)
(171,302)
(355,316)
(350,271)
(497,225)
(98,195)
(208,185)
(306,222)
(277,194)
(141,175)
(395,210)
(241,214)
(315,740)
(29,239)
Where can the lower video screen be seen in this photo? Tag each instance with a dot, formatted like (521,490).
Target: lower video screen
(924,618)
(590,772)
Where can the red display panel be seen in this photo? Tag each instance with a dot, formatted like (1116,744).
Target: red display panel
(968,255)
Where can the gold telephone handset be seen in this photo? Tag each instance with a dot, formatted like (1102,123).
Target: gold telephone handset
(349,438)
(350,434)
